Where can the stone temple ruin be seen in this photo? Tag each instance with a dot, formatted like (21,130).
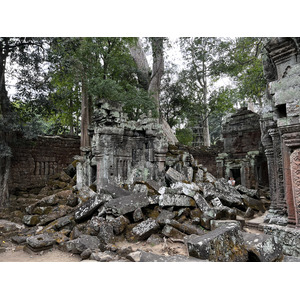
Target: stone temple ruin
(122,151)
(243,157)
(132,190)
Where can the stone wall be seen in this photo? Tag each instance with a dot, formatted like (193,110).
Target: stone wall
(35,160)
(206,156)
(288,237)
(280,126)
(243,157)
(122,151)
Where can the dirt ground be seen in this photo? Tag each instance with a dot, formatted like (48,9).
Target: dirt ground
(15,253)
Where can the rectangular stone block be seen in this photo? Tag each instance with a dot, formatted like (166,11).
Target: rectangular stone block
(224,244)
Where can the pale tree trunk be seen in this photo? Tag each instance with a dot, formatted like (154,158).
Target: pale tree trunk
(4,176)
(206,133)
(143,69)
(85,116)
(157,69)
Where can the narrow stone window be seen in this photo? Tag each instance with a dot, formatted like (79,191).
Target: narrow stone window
(281,111)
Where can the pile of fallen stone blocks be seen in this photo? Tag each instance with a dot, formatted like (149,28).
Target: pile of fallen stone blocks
(203,213)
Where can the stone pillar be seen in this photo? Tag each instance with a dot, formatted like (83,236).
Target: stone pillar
(220,161)
(295,174)
(280,202)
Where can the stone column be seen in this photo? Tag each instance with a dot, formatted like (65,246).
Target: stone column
(280,202)
(295,174)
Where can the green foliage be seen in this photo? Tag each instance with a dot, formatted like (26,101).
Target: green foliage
(184,136)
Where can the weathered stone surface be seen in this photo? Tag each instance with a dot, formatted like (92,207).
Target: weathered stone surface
(59,223)
(173,176)
(31,220)
(188,189)
(288,237)
(218,223)
(165,215)
(222,244)
(19,239)
(85,193)
(103,256)
(186,228)
(40,242)
(201,202)
(70,170)
(291,259)
(9,227)
(115,191)
(145,229)
(119,224)
(86,253)
(106,233)
(127,204)
(170,231)
(88,208)
(225,213)
(57,212)
(142,256)
(154,239)
(249,192)
(254,203)
(81,243)
(138,215)
(175,200)
(262,247)
(249,213)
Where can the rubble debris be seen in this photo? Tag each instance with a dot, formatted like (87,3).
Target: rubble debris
(262,247)
(224,244)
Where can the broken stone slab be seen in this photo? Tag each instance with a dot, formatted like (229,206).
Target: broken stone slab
(188,189)
(88,208)
(208,177)
(249,213)
(175,200)
(19,239)
(31,220)
(225,213)
(249,192)
(115,191)
(57,212)
(185,228)
(8,227)
(164,216)
(288,258)
(262,247)
(218,223)
(171,232)
(119,224)
(173,176)
(201,202)
(222,185)
(85,193)
(40,242)
(216,202)
(105,256)
(106,234)
(138,215)
(126,204)
(58,223)
(154,239)
(224,244)
(143,256)
(86,253)
(83,242)
(143,230)
(255,204)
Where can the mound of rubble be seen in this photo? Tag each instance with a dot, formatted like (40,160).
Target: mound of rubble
(193,209)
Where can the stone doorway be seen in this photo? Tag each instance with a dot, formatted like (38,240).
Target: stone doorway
(236,174)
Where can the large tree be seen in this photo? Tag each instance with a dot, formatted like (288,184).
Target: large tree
(12,50)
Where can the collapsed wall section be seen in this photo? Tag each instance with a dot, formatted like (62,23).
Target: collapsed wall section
(35,160)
